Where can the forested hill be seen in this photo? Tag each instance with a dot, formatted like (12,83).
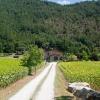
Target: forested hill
(71,28)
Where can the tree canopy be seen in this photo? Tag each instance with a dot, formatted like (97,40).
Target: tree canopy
(71,28)
(32,58)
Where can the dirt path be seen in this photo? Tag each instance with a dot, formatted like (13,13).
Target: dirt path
(61,92)
(7,92)
(46,90)
(42,86)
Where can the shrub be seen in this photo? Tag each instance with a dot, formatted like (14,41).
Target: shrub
(70,57)
(95,57)
(85,56)
(10,71)
(32,58)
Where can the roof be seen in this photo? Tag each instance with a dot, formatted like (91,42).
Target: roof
(54,52)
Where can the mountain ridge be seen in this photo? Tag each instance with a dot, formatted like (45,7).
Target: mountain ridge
(71,28)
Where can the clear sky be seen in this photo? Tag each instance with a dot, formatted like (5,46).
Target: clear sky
(67,1)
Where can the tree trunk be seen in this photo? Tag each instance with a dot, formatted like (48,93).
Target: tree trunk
(29,70)
(35,70)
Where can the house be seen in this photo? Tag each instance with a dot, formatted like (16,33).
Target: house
(53,55)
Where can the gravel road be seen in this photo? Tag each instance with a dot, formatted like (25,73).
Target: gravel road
(40,88)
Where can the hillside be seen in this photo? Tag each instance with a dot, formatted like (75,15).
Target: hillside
(71,28)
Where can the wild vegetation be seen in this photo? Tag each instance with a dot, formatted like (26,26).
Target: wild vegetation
(85,71)
(32,58)
(71,28)
(10,71)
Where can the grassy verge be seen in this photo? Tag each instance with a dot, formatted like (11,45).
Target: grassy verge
(60,87)
(11,70)
(13,88)
(82,72)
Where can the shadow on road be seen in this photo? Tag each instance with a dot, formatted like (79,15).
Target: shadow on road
(64,98)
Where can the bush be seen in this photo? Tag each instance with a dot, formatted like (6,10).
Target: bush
(85,56)
(32,58)
(95,57)
(10,71)
(70,57)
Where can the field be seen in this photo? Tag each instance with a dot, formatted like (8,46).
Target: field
(10,71)
(82,72)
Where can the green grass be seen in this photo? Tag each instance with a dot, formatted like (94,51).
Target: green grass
(10,71)
(82,72)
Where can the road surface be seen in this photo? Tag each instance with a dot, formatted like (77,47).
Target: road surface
(40,88)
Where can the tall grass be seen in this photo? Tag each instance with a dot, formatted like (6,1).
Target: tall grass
(10,71)
(82,72)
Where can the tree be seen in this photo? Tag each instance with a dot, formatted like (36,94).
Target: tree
(32,58)
(95,56)
(85,55)
(70,57)
(70,28)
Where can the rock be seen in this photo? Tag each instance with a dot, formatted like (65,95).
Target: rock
(79,89)
(93,95)
(83,90)
(83,93)
(72,87)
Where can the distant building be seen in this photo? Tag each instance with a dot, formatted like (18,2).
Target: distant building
(53,55)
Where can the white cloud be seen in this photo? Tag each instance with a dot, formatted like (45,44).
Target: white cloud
(63,2)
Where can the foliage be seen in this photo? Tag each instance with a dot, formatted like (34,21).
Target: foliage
(32,58)
(10,71)
(85,56)
(71,28)
(95,56)
(70,57)
(85,71)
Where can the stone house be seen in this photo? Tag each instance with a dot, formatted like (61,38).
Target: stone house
(53,55)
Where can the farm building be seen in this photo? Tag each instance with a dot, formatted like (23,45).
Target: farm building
(53,55)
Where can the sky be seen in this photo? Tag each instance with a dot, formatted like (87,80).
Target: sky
(64,2)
